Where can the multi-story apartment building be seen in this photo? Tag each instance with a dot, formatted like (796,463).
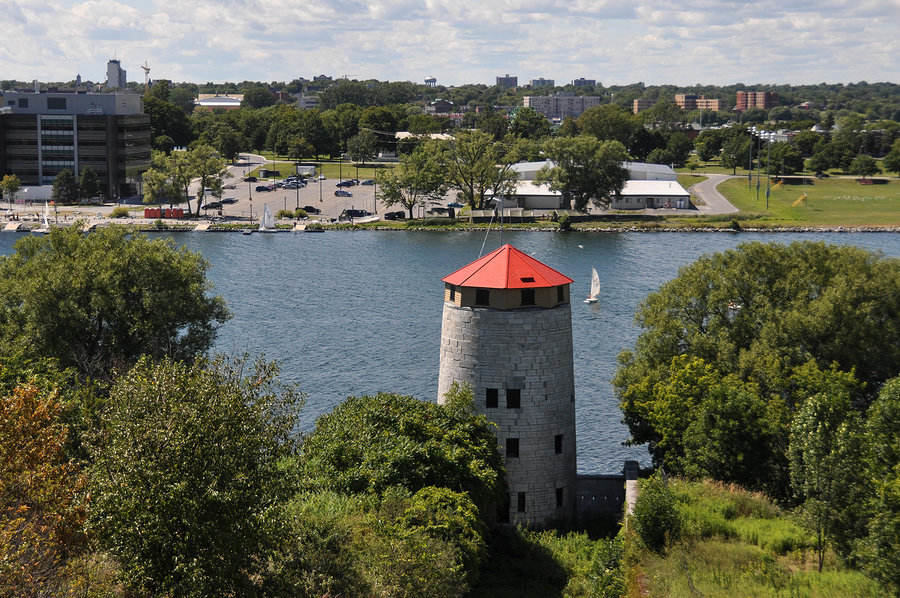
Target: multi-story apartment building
(694,102)
(755,99)
(508,81)
(535,83)
(582,82)
(42,133)
(641,104)
(561,105)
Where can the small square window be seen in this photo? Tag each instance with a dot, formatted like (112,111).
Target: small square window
(513,398)
(520,502)
(559,497)
(558,444)
(482,297)
(23,102)
(527,296)
(490,398)
(512,448)
(452,294)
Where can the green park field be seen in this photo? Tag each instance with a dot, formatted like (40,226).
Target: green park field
(828,202)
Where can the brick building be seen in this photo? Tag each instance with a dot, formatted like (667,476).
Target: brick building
(755,99)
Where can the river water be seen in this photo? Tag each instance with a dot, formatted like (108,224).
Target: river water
(350,313)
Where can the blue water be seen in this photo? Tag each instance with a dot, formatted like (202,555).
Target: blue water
(349,313)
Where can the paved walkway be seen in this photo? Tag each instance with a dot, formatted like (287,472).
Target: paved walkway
(713,202)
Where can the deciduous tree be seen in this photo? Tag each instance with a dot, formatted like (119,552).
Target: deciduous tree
(419,177)
(478,168)
(585,169)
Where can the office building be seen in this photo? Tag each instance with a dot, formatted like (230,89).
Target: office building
(641,104)
(115,75)
(755,99)
(43,133)
(508,81)
(559,106)
(694,102)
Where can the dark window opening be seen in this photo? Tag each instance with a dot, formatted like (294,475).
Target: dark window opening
(23,102)
(527,296)
(560,295)
(559,497)
(56,103)
(482,297)
(452,294)
(527,279)
(520,502)
(490,398)
(513,398)
(512,448)
(558,444)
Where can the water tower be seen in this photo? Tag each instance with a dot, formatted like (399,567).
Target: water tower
(507,332)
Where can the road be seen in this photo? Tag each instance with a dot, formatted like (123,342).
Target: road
(713,202)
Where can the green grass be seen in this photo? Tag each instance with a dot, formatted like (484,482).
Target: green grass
(829,202)
(686,180)
(737,543)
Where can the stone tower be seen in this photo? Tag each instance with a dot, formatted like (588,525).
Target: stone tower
(507,332)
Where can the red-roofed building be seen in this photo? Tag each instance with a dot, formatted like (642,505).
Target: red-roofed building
(507,333)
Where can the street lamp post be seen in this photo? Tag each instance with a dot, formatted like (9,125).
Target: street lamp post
(375,198)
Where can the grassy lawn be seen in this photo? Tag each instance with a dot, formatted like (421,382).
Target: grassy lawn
(828,202)
(737,543)
(686,180)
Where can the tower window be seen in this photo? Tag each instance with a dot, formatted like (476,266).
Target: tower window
(512,448)
(558,444)
(452,294)
(527,296)
(482,297)
(490,398)
(520,502)
(513,398)
(560,294)
(559,497)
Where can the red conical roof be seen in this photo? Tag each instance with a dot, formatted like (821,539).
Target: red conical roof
(506,268)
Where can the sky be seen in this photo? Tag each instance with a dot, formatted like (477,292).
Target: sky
(616,42)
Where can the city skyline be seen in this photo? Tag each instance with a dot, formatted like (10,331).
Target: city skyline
(712,42)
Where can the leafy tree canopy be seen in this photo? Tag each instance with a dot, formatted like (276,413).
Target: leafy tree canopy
(97,302)
(585,169)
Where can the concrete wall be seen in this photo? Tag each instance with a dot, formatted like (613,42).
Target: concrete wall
(530,350)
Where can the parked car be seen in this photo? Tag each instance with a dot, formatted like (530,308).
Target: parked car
(213,205)
(342,193)
(262,188)
(344,184)
(349,214)
(250,179)
(401,215)
(321,177)
(368,182)
(229,200)
(311,210)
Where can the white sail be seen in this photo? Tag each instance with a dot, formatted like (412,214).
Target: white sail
(46,215)
(595,287)
(267,221)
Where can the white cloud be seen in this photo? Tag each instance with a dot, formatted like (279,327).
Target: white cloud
(457,41)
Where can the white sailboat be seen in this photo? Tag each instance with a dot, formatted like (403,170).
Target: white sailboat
(595,287)
(45,221)
(267,221)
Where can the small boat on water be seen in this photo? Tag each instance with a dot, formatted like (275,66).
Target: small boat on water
(267,221)
(45,221)
(595,287)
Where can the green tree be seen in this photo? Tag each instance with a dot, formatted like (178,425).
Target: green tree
(97,302)
(864,166)
(777,317)
(207,165)
(655,517)
(819,429)
(880,550)
(585,169)
(362,147)
(258,96)
(9,186)
(167,119)
(530,124)
(65,187)
(608,122)
(892,159)
(186,473)
(782,158)
(417,179)
(679,146)
(89,184)
(369,444)
(478,169)
(735,152)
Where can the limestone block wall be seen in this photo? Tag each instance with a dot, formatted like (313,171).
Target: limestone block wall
(525,352)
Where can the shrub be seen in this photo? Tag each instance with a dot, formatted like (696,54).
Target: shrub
(284,214)
(300,213)
(655,516)
(565,223)
(119,212)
